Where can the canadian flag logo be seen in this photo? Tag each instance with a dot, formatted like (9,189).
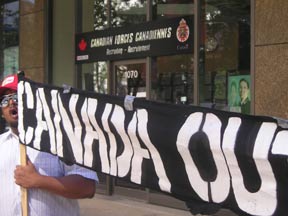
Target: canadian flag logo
(82,45)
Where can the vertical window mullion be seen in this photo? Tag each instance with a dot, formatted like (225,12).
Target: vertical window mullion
(196,50)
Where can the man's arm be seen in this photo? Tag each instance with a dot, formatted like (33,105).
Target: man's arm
(71,186)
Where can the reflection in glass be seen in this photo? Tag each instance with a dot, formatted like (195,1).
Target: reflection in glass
(100,77)
(9,37)
(94,17)
(96,77)
(172,8)
(99,14)
(131,80)
(128,12)
(172,76)
(172,79)
(224,49)
(11,62)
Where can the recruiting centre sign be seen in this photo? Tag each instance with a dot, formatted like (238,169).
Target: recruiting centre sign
(163,37)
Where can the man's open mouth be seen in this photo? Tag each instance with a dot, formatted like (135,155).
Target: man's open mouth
(14,112)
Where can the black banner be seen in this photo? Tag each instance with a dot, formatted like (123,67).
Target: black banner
(192,153)
(162,37)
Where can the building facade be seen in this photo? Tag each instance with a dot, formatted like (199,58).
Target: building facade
(232,41)
(43,46)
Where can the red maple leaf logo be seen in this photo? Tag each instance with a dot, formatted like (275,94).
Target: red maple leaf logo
(82,45)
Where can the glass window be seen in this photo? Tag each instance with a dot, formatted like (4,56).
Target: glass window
(172,79)
(95,77)
(94,17)
(172,76)
(9,36)
(131,79)
(225,55)
(128,12)
(100,20)
(172,8)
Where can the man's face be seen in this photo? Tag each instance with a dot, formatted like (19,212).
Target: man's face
(243,88)
(9,106)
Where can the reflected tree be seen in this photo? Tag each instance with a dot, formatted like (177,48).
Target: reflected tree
(100,14)
(127,12)
(123,13)
(8,35)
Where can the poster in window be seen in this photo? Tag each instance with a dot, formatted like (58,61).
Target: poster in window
(239,96)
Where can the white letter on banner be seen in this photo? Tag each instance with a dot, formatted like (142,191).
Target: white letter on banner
(26,137)
(263,202)
(280,144)
(221,186)
(49,122)
(123,160)
(92,106)
(74,134)
(90,135)
(57,120)
(41,125)
(20,92)
(139,153)
(164,182)
(190,127)
(112,140)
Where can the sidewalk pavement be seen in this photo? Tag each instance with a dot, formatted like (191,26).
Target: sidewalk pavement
(118,205)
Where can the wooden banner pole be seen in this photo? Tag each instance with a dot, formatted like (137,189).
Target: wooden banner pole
(24,193)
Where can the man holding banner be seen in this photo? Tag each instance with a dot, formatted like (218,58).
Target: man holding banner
(53,186)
